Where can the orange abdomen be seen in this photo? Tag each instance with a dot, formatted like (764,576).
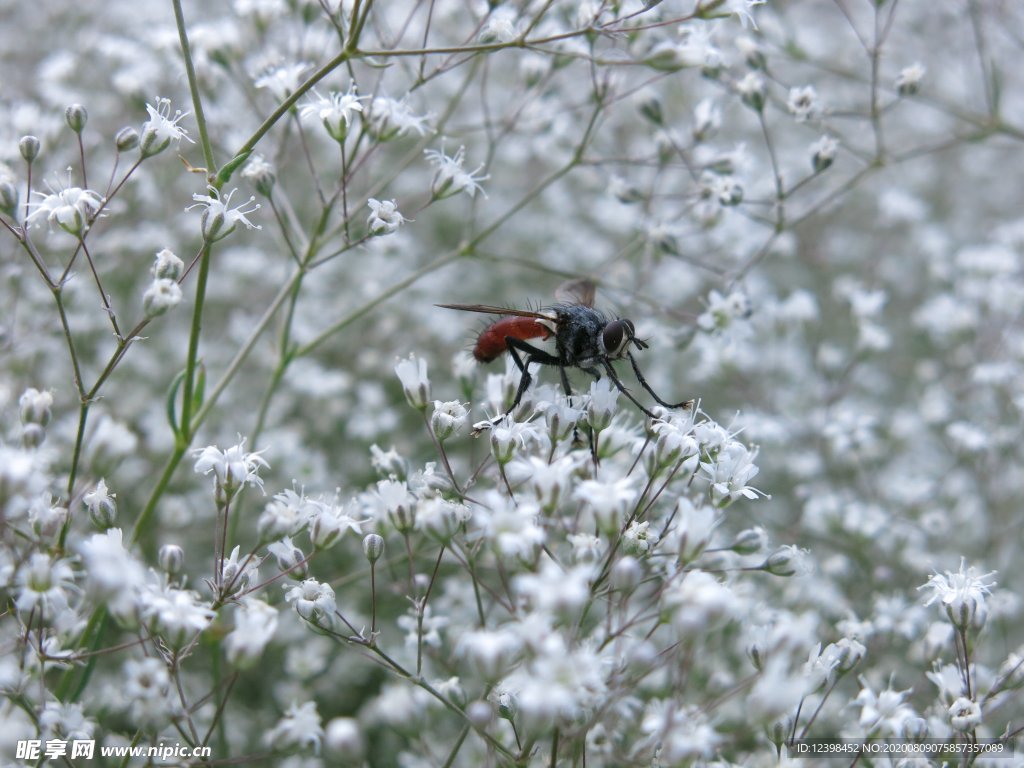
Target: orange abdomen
(491,343)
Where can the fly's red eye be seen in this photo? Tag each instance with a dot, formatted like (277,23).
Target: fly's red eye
(616,335)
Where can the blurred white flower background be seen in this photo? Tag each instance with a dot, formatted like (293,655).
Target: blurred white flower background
(246,498)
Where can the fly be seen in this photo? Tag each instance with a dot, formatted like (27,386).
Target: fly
(584,338)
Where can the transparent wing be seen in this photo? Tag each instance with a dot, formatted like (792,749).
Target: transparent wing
(489,310)
(581,291)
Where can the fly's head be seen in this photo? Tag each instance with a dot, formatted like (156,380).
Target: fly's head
(617,336)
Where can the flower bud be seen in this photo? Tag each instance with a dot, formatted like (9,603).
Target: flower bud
(260,174)
(76,117)
(750,541)
(33,435)
(343,741)
(373,547)
(480,714)
(626,573)
(167,266)
(34,407)
(171,559)
(649,105)
(29,148)
(126,139)
(786,561)
(290,559)
(8,197)
(415,382)
(101,505)
(161,296)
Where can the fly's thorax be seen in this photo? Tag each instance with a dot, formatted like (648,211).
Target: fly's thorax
(579,334)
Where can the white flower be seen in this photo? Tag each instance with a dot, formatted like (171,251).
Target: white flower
(803,103)
(289,557)
(607,500)
(910,78)
(167,265)
(490,652)
(111,573)
(282,80)
(329,522)
(415,382)
(233,467)
(385,218)
(219,221)
(71,208)
(255,623)
(965,715)
(698,602)
(336,112)
(299,729)
(397,503)
(752,90)
(823,153)
(962,594)
(638,538)
(285,515)
(601,405)
(389,118)
(43,586)
(450,177)
(161,295)
(885,713)
(236,576)
(448,418)
(730,473)
(175,614)
(161,129)
(314,601)
(100,503)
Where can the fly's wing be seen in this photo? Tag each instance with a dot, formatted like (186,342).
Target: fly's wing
(489,310)
(581,291)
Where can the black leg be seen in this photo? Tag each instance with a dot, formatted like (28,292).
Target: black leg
(645,385)
(615,380)
(533,355)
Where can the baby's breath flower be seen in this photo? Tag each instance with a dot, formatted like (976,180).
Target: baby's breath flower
(126,139)
(601,405)
(167,266)
(450,177)
(343,741)
(448,418)
(282,79)
(233,467)
(373,547)
(299,729)
(219,221)
(730,472)
(172,559)
(803,103)
(43,586)
(329,522)
(161,129)
(909,80)
(385,217)
(71,208)
(177,615)
(101,505)
(314,601)
(788,561)
(336,111)
(823,153)
(162,295)
(260,173)
(255,624)
(707,119)
(34,406)
(415,382)
(389,118)
(965,715)
(290,559)
(752,90)
(962,594)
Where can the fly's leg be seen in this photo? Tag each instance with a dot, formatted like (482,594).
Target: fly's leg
(645,385)
(533,355)
(621,387)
